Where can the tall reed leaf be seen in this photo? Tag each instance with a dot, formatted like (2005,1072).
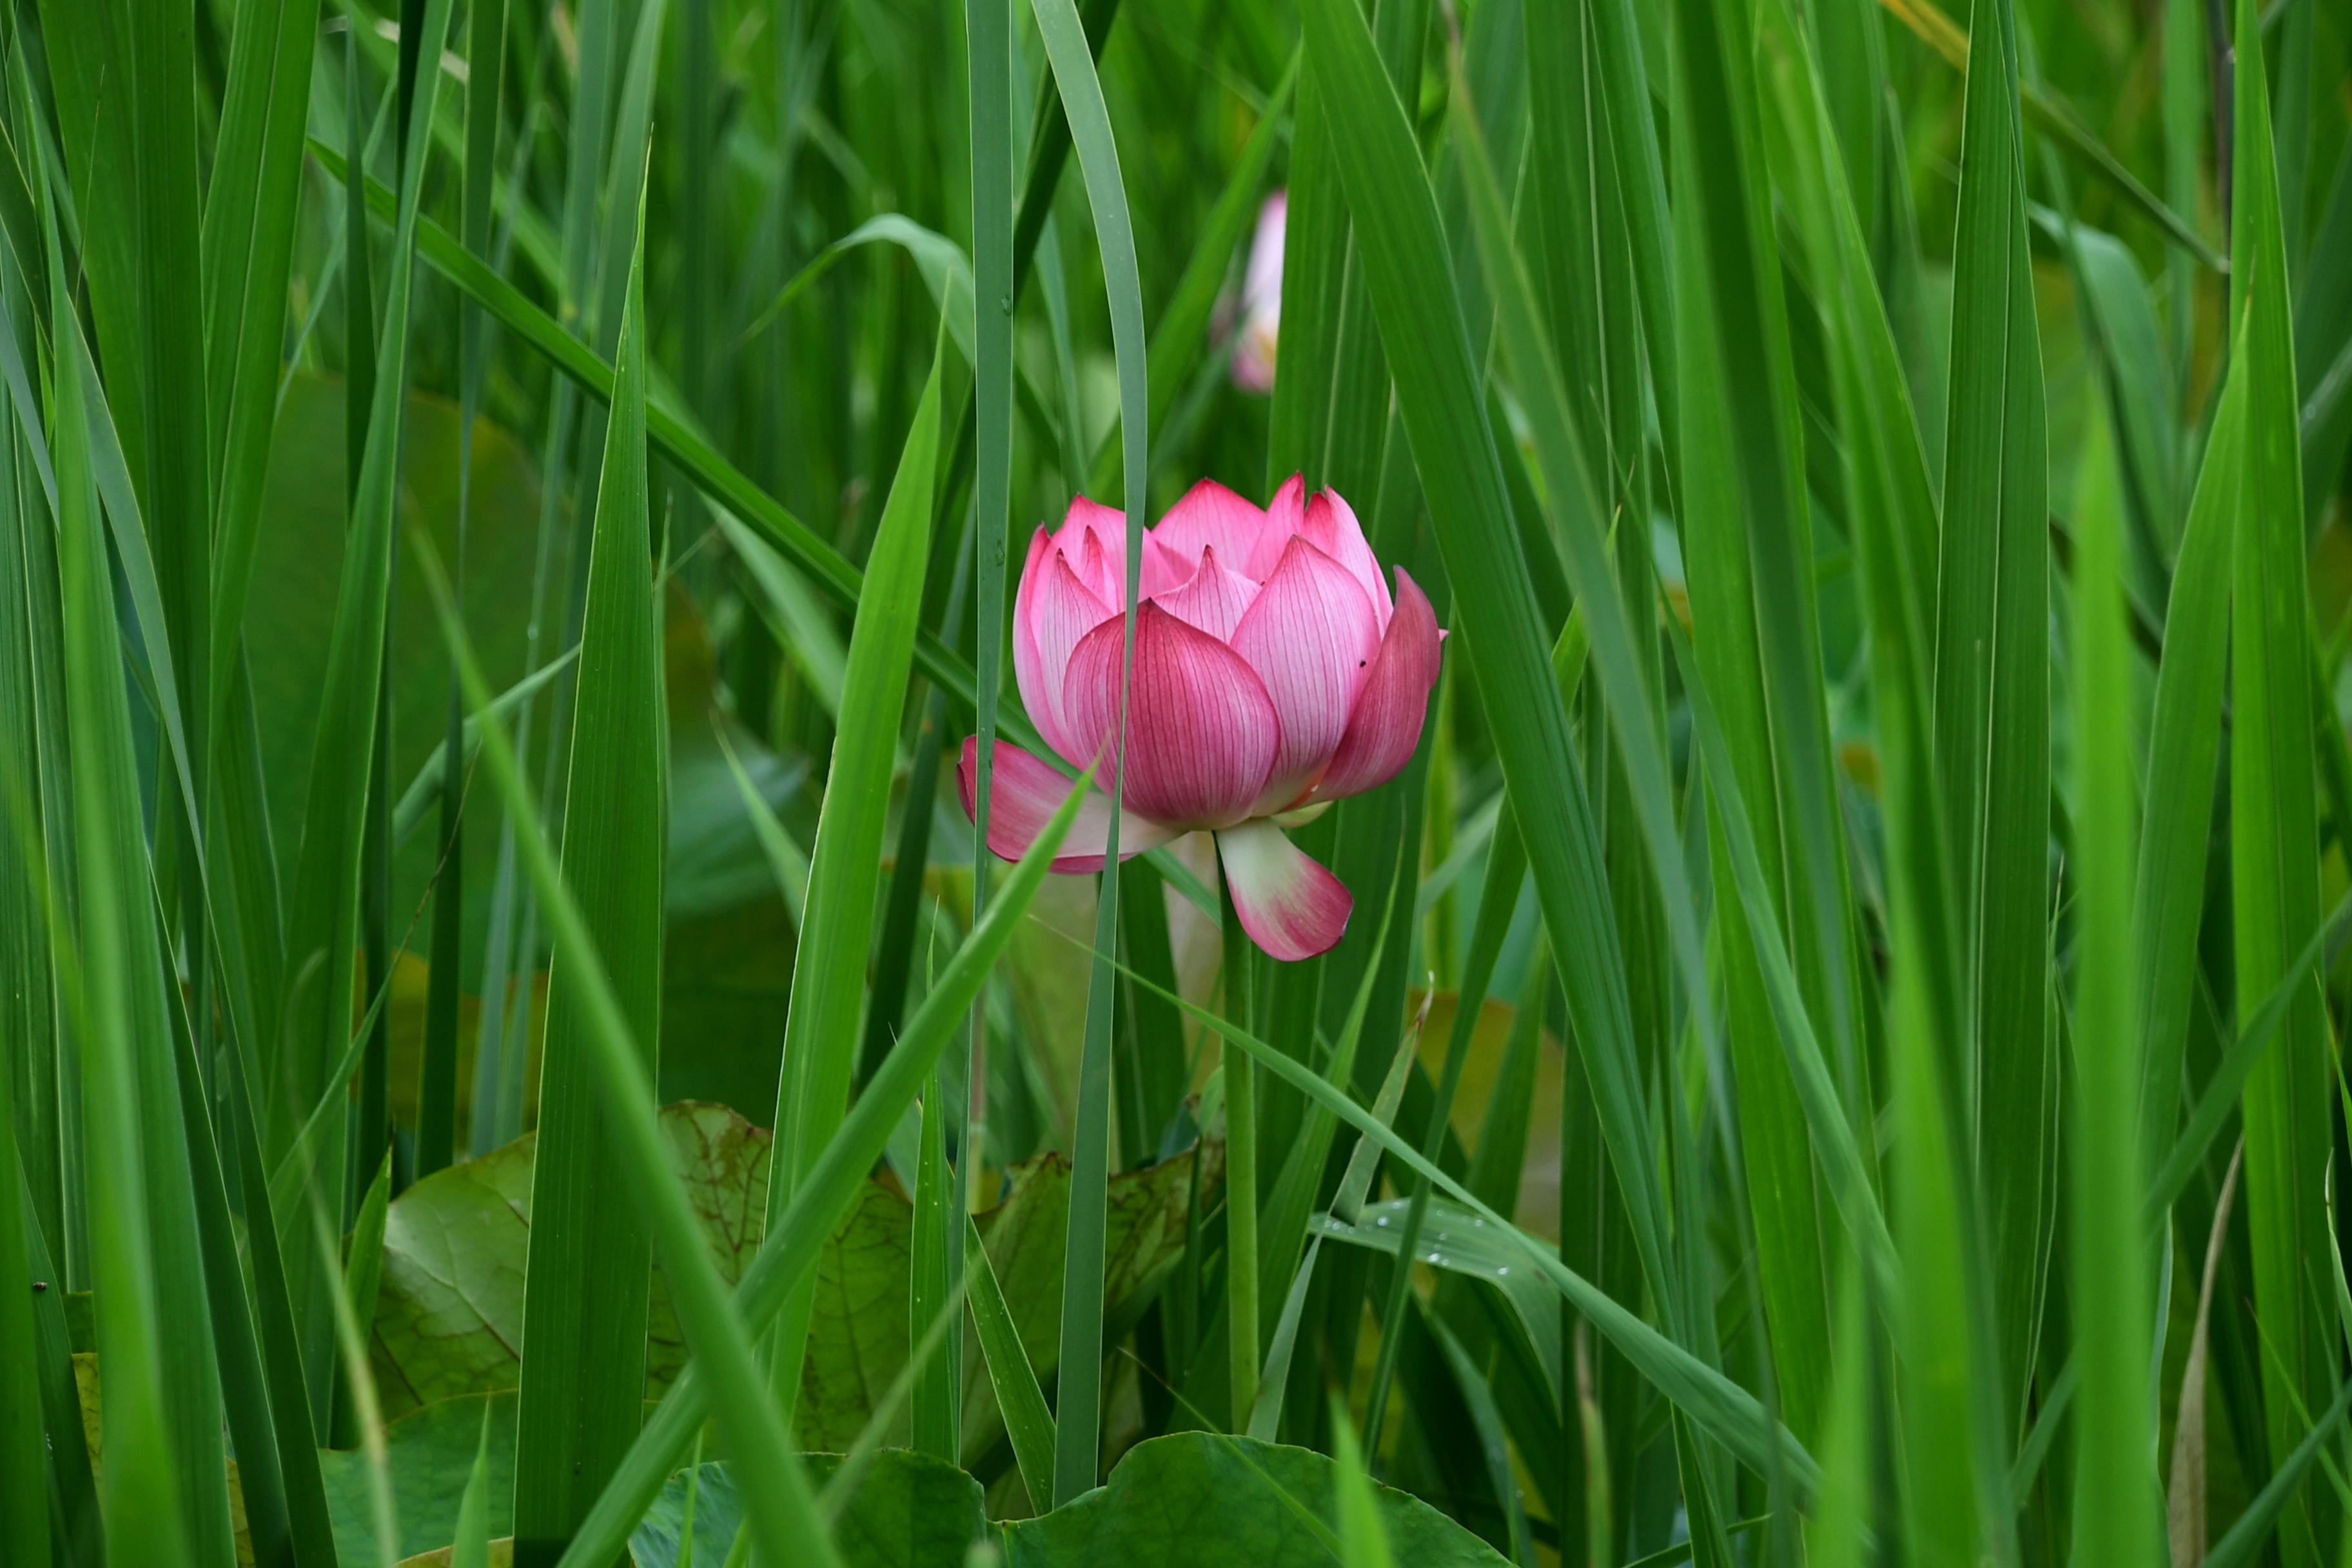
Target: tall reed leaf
(829,968)
(2273,810)
(322,914)
(164,1492)
(2115,1507)
(584,1295)
(789,1255)
(1403,249)
(1992,694)
(1078,1413)
(780,1506)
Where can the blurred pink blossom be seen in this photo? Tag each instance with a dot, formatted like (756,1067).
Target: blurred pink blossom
(1261,325)
(1274,674)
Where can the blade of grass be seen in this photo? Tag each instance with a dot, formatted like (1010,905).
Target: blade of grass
(988,26)
(1992,693)
(1078,1391)
(24,1450)
(1398,232)
(1721,1407)
(2184,741)
(1507,868)
(251,207)
(586,1293)
(778,1502)
(2054,119)
(1028,1420)
(2116,1512)
(111,978)
(322,922)
(1748,551)
(1581,539)
(829,968)
(2274,812)
(789,1253)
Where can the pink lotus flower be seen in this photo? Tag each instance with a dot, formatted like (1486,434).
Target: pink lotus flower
(1261,325)
(1274,674)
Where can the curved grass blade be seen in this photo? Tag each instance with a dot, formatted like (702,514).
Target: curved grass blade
(2274,809)
(2053,117)
(586,1293)
(1078,1416)
(1720,1407)
(1406,262)
(2116,1507)
(829,967)
(789,1254)
(780,1505)
(1992,697)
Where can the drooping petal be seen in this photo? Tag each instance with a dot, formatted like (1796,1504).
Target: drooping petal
(1200,729)
(1290,906)
(1211,517)
(1329,524)
(1285,514)
(1065,611)
(1025,791)
(1310,636)
(1213,600)
(1386,724)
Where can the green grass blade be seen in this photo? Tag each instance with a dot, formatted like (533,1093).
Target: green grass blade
(322,921)
(1721,1407)
(829,970)
(1028,1420)
(789,1255)
(1992,692)
(936,1424)
(1397,234)
(24,1450)
(2116,1507)
(250,220)
(2274,812)
(471,1549)
(1182,332)
(585,1296)
(2184,741)
(1747,553)
(988,26)
(782,1508)
(154,1508)
(1079,1410)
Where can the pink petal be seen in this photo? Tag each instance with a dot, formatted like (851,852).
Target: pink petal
(1037,691)
(1386,724)
(1085,516)
(1063,611)
(1213,600)
(1310,636)
(1024,792)
(1211,517)
(1101,566)
(1163,570)
(1200,730)
(1285,514)
(1330,526)
(1290,906)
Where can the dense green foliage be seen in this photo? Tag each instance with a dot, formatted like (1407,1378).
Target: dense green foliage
(513,1048)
